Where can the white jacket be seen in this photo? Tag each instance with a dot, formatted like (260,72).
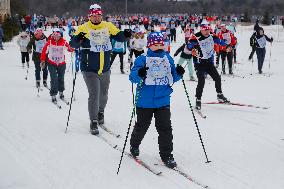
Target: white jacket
(23,43)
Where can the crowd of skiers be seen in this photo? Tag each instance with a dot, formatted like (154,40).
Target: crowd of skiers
(97,43)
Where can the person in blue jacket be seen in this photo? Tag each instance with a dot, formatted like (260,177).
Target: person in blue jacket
(157,71)
(118,48)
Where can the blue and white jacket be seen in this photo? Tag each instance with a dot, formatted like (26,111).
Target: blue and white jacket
(153,96)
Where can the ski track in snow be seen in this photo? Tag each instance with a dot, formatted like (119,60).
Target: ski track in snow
(242,143)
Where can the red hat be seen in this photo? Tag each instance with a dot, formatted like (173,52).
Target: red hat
(95,9)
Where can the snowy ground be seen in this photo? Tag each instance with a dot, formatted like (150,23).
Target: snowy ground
(245,145)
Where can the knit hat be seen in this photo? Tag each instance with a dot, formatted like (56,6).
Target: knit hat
(155,38)
(95,9)
(205,25)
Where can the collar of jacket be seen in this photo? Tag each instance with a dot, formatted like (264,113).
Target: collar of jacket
(95,27)
(151,53)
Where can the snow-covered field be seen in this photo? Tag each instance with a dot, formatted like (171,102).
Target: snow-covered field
(245,145)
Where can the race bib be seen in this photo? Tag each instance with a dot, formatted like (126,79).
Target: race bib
(227,38)
(261,42)
(159,72)
(39,45)
(139,44)
(207,47)
(56,54)
(100,41)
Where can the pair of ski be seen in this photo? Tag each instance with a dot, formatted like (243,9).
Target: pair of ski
(58,105)
(200,113)
(142,163)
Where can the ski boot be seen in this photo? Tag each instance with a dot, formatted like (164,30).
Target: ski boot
(53,99)
(44,83)
(94,127)
(134,151)
(170,162)
(198,104)
(191,78)
(222,99)
(37,84)
(61,95)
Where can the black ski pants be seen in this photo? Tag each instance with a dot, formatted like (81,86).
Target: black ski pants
(206,67)
(163,126)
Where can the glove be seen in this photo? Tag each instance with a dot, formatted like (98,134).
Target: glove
(127,33)
(271,39)
(142,72)
(124,53)
(81,36)
(194,52)
(228,49)
(42,65)
(175,55)
(180,70)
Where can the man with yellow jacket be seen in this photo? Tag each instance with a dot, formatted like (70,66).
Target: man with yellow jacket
(93,40)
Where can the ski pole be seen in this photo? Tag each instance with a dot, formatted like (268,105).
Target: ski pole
(26,78)
(74,80)
(195,122)
(130,122)
(269,61)
(251,66)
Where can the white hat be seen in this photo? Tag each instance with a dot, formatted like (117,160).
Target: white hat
(95,6)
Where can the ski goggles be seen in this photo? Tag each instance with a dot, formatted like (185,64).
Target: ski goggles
(206,27)
(95,12)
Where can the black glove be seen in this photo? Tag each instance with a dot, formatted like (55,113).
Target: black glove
(180,70)
(127,33)
(142,72)
(81,36)
(271,39)
(175,54)
(124,53)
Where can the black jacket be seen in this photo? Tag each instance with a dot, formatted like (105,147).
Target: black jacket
(183,53)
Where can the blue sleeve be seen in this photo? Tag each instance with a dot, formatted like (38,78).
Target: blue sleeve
(138,63)
(191,44)
(176,77)
(219,41)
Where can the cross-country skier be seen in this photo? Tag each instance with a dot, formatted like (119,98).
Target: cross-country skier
(93,37)
(157,71)
(202,46)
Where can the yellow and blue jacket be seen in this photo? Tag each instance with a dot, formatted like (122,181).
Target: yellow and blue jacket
(96,48)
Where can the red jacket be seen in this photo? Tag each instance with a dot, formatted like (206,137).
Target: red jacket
(56,51)
(229,37)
